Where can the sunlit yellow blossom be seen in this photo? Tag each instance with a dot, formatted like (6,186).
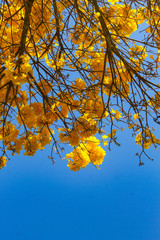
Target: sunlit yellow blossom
(113,1)
(87,152)
(136,116)
(3,162)
(139,139)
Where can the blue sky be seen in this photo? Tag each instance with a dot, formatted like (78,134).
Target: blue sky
(43,201)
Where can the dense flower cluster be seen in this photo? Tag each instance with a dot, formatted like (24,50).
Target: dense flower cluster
(87,152)
(3,162)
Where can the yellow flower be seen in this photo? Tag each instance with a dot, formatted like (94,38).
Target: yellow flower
(31,145)
(3,162)
(74,139)
(113,1)
(136,116)
(97,14)
(27,116)
(117,114)
(104,136)
(139,139)
(86,152)
(8,133)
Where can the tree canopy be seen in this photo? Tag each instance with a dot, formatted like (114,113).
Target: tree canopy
(76,72)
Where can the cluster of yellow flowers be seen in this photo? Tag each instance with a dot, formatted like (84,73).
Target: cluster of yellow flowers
(3,162)
(146,139)
(87,152)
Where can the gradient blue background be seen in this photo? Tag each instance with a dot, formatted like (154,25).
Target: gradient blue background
(43,201)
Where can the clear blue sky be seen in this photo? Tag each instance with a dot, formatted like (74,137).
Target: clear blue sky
(43,201)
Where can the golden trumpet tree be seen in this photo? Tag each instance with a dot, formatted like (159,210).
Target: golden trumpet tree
(73,69)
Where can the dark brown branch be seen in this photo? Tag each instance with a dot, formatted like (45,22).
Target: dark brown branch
(28,7)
